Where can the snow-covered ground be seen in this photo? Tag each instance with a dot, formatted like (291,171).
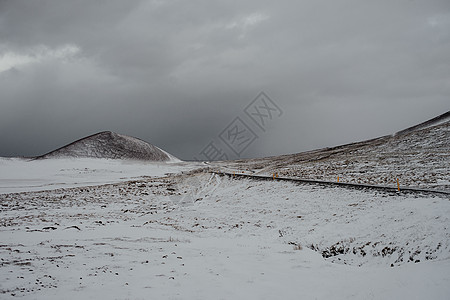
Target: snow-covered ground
(17,175)
(144,235)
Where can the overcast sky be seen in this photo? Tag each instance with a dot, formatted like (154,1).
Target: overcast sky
(177,73)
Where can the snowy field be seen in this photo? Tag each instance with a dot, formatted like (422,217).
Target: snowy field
(130,231)
(17,175)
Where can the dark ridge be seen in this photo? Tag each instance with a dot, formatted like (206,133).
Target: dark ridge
(109,145)
(431,122)
(344,148)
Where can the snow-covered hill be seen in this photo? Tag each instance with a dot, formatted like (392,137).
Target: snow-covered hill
(111,145)
(418,156)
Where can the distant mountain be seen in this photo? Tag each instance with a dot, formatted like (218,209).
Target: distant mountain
(110,145)
(418,156)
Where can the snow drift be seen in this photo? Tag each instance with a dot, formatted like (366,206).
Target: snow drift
(111,145)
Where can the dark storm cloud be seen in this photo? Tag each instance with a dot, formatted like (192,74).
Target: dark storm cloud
(175,73)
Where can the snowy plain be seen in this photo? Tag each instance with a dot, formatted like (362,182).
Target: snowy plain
(18,174)
(121,230)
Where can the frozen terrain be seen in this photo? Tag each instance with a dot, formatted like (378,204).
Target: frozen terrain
(203,236)
(18,174)
(418,156)
(111,145)
(90,228)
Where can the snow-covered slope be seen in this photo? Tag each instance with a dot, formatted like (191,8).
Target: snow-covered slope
(111,145)
(418,156)
(430,123)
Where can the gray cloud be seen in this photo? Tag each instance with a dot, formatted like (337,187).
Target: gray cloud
(175,73)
